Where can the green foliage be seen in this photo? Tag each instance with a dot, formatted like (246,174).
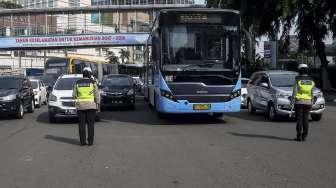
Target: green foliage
(9,5)
(314,20)
(112,58)
(249,67)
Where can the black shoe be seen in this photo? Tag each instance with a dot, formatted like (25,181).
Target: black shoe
(303,139)
(83,144)
(298,139)
(90,144)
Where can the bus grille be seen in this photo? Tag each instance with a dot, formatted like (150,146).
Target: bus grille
(203,98)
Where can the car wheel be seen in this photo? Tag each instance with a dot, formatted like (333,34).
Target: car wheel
(132,107)
(20,111)
(52,118)
(45,101)
(31,107)
(272,115)
(39,103)
(250,107)
(316,117)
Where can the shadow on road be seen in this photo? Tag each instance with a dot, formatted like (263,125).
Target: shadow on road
(146,116)
(258,116)
(44,118)
(259,136)
(62,139)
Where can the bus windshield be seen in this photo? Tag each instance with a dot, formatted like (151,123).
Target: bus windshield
(57,66)
(200,47)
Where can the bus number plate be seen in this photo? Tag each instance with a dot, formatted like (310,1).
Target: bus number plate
(202,106)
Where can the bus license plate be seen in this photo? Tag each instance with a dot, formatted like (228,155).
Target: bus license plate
(202,106)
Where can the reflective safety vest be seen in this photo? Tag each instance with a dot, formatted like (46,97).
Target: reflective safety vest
(304,90)
(85,92)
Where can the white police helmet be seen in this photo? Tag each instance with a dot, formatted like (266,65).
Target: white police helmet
(303,66)
(87,69)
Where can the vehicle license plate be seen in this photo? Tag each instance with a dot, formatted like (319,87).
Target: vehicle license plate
(202,106)
(70,112)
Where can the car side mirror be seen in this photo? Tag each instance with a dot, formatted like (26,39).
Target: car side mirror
(99,84)
(264,84)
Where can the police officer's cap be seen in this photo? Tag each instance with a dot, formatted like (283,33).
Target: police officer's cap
(303,66)
(87,69)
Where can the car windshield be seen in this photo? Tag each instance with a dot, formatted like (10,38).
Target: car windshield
(283,80)
(116,81)
(66,83)
(34,84)
(9,83)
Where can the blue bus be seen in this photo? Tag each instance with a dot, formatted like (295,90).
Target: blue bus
(192,62)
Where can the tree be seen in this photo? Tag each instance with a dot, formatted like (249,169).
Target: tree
(124,54)
(313,19)
(9,5)
(112,58)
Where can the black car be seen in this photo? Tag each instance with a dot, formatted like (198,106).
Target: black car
(16,96)
(117,90)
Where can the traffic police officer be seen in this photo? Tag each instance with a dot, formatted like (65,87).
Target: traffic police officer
(86,95)
(303,101)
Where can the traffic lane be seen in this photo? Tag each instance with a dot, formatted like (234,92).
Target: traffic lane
(134,154)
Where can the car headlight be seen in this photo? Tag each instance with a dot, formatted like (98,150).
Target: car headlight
(53,98)
(9,97)
(103,93)
(283,95)
(130,92)
(319,95)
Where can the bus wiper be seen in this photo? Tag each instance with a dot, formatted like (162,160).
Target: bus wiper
(201,65)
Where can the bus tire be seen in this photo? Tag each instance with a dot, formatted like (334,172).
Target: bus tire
(217,115)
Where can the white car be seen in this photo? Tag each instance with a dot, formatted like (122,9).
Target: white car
(40,92)
(61,103)
(244,92)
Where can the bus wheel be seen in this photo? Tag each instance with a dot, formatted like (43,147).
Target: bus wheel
(217,115)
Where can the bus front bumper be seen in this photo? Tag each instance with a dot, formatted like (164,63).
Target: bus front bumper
(182,106)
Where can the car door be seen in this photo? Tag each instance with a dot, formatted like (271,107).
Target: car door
(264,92)
(252,89)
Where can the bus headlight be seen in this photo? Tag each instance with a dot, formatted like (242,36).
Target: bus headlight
(168,95)
(235,94)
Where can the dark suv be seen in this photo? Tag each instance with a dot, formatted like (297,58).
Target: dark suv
(16,96)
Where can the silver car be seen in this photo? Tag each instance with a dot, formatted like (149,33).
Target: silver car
(271,92)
